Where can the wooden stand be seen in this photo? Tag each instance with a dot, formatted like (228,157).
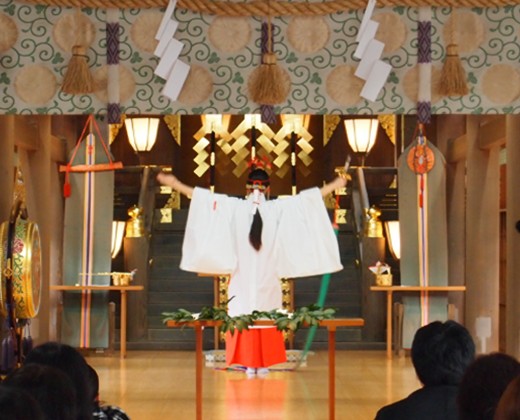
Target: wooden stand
(413,289)
(330,324)
(121,289)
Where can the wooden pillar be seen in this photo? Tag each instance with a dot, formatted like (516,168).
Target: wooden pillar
(64,133)
(136,256)
(36,169)
(6,165)
(373,304)
(450,128)
(456,173)
(57,210)
(482,239)
(513,235)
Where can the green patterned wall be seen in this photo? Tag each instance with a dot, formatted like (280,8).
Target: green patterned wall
(36,41)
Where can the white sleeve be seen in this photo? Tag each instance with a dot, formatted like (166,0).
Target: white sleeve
(307,244)
(209,245)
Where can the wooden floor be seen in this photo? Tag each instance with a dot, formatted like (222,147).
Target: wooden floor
(160,385)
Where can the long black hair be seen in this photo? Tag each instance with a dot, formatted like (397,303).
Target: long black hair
(258,179)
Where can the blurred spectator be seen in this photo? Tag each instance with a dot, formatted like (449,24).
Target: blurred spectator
(441,352)
(70,361)
(49,386)
(483,384)
(16,404)
(509,404)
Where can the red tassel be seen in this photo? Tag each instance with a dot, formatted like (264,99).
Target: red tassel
(66,185)
(66,190)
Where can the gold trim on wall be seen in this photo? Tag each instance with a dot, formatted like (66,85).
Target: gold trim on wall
(174,124)
(114,129)
(330,123)
(388,122)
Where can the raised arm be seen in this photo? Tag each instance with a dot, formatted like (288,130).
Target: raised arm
(339,182)
(172,181)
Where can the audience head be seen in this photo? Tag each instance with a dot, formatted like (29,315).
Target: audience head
(49,386)
(441,352)
(70,361)
(17,404)
(509,404)
(484,383)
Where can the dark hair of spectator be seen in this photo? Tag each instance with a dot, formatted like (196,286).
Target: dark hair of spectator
(17,404)
(509,404)
(49,386)
(441,352)
(484,383)
(70,361)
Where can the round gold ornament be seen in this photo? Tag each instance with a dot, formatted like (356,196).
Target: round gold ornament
(229,34)
(143,31)
(8,34)
(308,34)
(420,159)
(35,84)
(198,86)
(343,86)
(392,31)
(501,84)
(22,265)
(73,29)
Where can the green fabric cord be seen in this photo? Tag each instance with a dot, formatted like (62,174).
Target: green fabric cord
(324,287)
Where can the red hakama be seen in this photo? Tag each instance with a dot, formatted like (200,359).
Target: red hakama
(256,347)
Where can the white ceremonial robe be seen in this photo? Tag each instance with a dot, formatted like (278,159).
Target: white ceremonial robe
(297,241)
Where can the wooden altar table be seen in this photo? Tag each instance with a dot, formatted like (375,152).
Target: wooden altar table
(330,324)
(97,288)
(407,289)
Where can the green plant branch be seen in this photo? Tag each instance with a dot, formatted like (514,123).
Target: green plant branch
(306,316)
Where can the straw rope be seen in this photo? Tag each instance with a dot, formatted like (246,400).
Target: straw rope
(276,8)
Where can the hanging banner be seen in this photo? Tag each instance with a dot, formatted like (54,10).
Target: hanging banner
(424,241)
(86,247)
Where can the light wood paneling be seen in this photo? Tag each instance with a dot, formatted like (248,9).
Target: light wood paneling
(161,385)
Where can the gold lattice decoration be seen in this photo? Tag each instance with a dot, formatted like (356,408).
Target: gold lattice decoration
(222,298)
(223,282)
(274,146)
(222,138)
(287,295)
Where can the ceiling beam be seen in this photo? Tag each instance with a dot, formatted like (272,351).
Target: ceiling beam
(492,132)
(457,149)
(58,150)
(27,133)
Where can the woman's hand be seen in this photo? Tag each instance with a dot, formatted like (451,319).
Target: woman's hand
(168,180)
(339,182)
(172,181)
